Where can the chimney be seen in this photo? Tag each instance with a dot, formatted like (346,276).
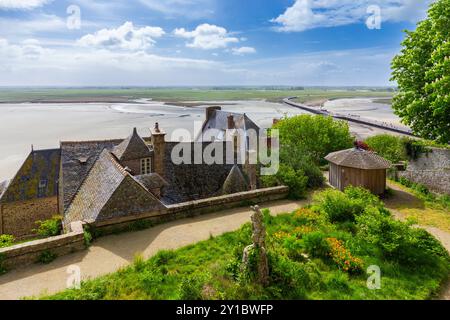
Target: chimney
(230,119)
(275,121)
(159,149)
(211,110)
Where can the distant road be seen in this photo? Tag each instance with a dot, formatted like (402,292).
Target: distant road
(368,122)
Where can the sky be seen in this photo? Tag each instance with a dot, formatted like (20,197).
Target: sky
(202,42)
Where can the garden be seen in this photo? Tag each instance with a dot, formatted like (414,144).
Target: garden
(321,251)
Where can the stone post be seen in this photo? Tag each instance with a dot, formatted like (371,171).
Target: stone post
(258,247)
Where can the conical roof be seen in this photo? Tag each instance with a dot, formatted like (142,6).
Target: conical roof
(359,159)
(235,182)
(133,147)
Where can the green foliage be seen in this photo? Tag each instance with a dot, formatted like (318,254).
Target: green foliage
(309,258)
(388,146)
(421,71)
(313,137)
(49,228)
(423,193)
(316,244)
(340,207)
(46,257)
(294,179)
(6,240)
(87,238)
(191,287)
(398,240)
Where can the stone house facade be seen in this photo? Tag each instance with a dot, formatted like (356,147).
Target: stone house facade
(97,181)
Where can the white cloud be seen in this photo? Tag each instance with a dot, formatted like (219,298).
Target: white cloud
(29,49)
(207,37)
(193,9)
(310,14)
(243,51)
(22,4)
(125,37)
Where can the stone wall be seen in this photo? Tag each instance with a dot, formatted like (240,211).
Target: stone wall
(195,208)
(431,169)
(19,218)
(28,253)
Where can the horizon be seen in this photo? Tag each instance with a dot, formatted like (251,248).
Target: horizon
(202,43)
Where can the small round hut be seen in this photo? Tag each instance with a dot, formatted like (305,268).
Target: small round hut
(359,168)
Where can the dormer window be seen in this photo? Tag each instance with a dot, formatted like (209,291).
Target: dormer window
(146,166)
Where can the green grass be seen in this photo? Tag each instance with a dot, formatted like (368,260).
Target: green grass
(177,94)
(211,269)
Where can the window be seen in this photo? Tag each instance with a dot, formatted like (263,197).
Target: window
(146,166)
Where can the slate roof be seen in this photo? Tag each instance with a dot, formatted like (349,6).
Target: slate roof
(359,159)
(132,148)
(218,123)
(235,182)
(110,192)
(37,178)
(77,159)
(193,181)
(151,181)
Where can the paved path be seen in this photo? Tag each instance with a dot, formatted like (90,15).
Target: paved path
(110,253)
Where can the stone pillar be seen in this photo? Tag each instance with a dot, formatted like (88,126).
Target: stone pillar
(258,248)
(159,147)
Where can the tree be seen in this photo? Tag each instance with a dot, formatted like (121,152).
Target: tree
(422,72)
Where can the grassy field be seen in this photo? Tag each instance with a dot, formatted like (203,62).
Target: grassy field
(176,94)
(311,255)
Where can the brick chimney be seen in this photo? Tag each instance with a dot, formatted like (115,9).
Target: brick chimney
(230,122)
(210,111)
(159,147)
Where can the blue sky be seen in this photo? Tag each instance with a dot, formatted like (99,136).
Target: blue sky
(202,42)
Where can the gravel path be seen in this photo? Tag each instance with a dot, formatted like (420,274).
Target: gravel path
(110,253)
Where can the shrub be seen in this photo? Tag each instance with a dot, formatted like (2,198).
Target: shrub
(6,240)
(191,287)
(46,257)
(397,240)
(388,146)
(294,179)
(49,228)
(314,136)
(315,243)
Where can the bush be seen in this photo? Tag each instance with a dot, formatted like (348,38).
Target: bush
(191,287)
(398,240)
(6,240)
(315,244)
(46,257)
(294,179)
(390,147)
(49,228)
(314,136)
(345,206)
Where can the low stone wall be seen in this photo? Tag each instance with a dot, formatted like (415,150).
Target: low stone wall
(430,169)
(29,252)
(194,208)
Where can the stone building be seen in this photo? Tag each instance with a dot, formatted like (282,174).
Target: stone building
(95,181)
